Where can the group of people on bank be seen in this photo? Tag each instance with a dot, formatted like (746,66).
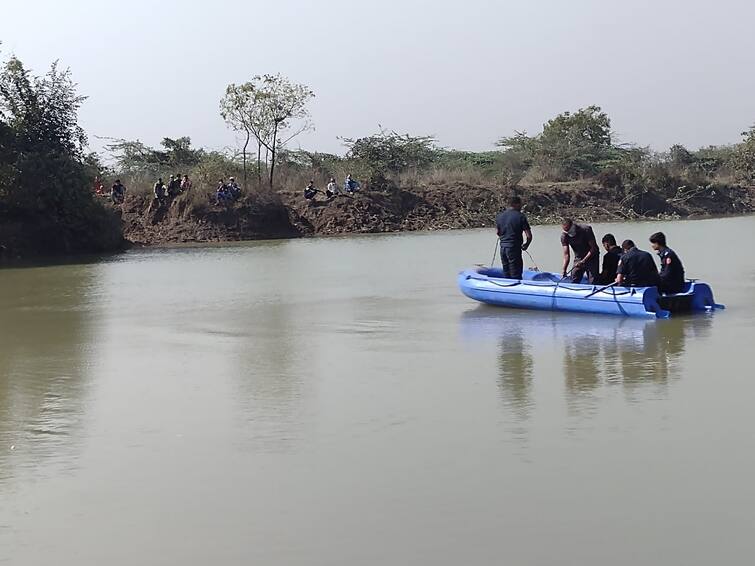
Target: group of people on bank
(350,186)
(624,265)
(177,185)
(227,193)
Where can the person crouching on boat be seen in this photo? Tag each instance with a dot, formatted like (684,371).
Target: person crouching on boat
(672,270)
(610,260)
(513,228)
(636,268)
(581,239)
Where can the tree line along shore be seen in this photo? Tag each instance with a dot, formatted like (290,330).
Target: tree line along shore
(573,167)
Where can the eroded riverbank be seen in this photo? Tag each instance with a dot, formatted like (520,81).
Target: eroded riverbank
(430,207)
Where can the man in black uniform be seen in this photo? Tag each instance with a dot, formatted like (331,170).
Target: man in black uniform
(672,270)
(511,224)
(581,239)
(636,268)
(610,260)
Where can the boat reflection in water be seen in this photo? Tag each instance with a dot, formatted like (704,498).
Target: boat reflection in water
(591,353)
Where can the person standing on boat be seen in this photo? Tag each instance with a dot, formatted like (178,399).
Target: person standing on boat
(513,228)
(672,270)
(610,260)
(581,239)
(636,268)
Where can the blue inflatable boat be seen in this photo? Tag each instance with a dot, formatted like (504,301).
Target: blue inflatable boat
(542,290)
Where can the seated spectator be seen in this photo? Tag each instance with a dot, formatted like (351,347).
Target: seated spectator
(332,189)
(222,195)
(350,185)
(99,190)
(310,191)
(118,192)
(233,189)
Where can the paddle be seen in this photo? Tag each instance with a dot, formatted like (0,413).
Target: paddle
(601,289)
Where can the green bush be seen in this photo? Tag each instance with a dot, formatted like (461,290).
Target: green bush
(45,182)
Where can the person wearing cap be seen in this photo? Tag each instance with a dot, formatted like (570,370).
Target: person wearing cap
(233,188)
(581,239)
(672,270)
(636,267)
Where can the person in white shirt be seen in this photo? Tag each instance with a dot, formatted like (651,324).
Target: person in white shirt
(332,189)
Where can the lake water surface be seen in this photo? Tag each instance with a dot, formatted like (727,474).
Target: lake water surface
(338,401)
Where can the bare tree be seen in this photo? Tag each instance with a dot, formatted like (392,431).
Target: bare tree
(243,110)
(272,110)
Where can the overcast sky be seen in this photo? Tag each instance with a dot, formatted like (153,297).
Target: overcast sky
(467,71)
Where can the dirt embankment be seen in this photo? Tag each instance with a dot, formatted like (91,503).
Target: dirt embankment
(433,207)
(177,222)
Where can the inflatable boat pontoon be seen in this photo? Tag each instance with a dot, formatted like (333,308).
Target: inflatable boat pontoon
(543,290)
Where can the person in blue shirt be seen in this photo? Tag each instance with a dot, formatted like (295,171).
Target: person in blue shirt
(350,185)
(512,227)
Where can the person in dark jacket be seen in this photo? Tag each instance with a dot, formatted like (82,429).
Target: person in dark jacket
(610,260)
(672,270)
(310,191)
(159,190)
(118,192)
(174,186)
(512,228)
(581,239)
(636,267)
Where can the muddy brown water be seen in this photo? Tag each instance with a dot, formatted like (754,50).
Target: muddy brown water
(337,401)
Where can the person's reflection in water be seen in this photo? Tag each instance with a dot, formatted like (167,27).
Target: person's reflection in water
(636,353)
(45,350)
(515,365)
(583,369)
(655,356)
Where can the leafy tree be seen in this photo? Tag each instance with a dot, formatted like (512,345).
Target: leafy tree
(179,153)
(135,156)
(44,174)
(743,159)
(715,160)
(680,156)
(392,153)
(571,145)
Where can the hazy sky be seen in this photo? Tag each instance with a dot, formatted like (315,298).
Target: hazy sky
(468,71)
